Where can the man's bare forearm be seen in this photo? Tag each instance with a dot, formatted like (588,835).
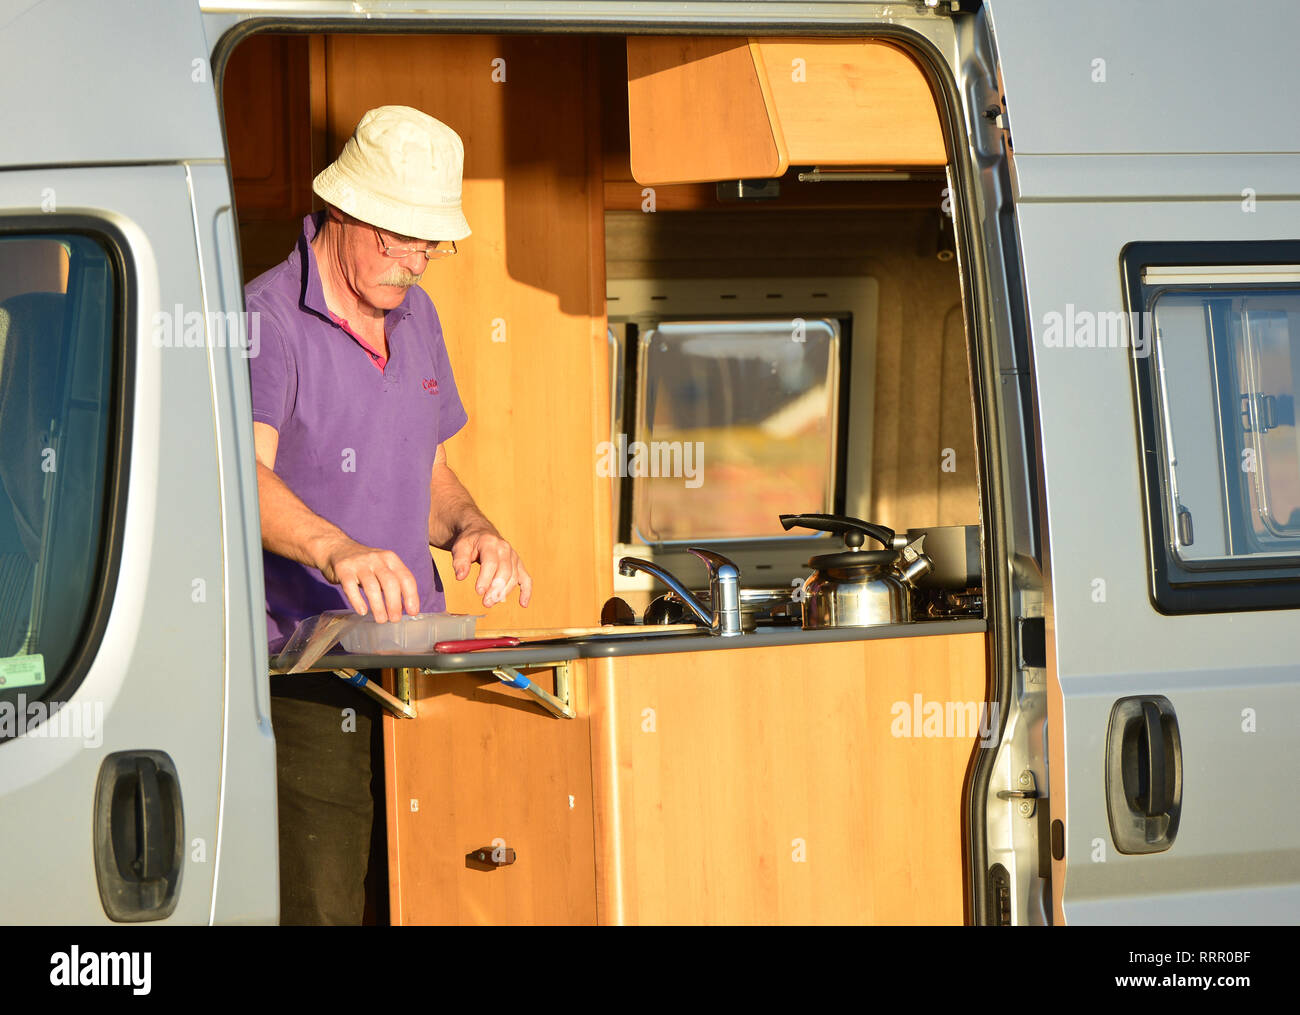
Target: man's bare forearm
(289,527)
(452,510)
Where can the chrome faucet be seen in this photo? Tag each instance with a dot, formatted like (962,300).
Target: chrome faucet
(724,589)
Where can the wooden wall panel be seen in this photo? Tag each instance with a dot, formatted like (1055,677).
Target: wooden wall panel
(715,773)
(956,491)
(482,762)
(924,406)
(265,100)
(522,305)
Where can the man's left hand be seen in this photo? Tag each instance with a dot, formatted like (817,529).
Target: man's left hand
(499,566)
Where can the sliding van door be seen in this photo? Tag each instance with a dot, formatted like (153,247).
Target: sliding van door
(1154,211)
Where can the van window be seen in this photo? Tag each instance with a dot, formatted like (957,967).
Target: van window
(58,302)
(759,397)
(737,400)
(1221,377)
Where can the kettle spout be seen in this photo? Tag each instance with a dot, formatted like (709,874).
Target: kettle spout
(913,564)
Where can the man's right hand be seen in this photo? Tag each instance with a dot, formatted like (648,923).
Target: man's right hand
(387,583)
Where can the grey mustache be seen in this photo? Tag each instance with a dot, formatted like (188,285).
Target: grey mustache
(400,279)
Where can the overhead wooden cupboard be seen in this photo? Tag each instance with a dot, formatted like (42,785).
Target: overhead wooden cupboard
(726,109)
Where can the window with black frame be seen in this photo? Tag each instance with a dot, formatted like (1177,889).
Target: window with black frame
(759,403)
(1218,370)
(58,310)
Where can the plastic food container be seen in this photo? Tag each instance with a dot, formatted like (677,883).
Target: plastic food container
(411,635)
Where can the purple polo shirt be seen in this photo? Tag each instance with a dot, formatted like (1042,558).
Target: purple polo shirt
(358,433)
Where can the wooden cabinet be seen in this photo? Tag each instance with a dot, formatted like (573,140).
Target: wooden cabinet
(704,108)
(782,785)
(482,766)
(698,112)
(849,102)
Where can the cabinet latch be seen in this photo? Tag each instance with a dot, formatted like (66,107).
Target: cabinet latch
(489,858)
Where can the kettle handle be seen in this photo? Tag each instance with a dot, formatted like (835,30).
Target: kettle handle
(848,527)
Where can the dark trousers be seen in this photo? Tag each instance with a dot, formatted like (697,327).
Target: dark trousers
(329,759)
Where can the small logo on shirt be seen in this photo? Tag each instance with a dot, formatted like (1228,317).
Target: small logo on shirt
(431,385)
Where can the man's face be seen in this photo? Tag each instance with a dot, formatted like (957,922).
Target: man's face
(378,279)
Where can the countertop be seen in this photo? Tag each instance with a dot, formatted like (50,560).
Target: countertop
(536,655)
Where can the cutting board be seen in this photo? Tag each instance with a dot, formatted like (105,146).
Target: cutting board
(627,630)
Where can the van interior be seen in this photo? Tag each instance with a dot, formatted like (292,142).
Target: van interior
(711,281)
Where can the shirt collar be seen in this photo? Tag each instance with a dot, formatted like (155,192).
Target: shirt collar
(313,293)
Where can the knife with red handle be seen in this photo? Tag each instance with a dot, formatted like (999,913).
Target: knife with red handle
(475,645)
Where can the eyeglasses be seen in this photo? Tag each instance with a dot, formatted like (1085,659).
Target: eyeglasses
(438,250)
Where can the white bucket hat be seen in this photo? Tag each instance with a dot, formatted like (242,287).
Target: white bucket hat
(401,171)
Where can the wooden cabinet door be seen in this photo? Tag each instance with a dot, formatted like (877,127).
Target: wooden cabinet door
(786,785)
(484,765)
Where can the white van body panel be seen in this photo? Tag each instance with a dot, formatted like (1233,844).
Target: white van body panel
(92,82)
(1189,115)
(1180,76)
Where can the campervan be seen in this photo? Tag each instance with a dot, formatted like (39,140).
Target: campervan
(894,402)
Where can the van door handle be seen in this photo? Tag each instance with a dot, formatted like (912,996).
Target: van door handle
(139,828)
(1144,774)
(1152,743)
(148,814)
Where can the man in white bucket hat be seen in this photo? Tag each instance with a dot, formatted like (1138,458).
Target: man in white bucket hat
(353,398)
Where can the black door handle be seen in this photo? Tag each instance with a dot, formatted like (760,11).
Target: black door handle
(1152,744)
(139,835)
(149,806)
(1144,774)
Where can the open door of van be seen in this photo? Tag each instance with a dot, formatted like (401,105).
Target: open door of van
(137,764)
(1155,176)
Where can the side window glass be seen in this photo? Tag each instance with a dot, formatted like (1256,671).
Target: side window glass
(1217,385)
(1230,358)
(1265,359)
(58,304)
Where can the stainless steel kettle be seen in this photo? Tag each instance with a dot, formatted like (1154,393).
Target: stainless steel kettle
(857,587)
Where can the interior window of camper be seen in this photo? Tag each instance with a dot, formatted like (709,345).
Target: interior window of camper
(58,302)
(706,286)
